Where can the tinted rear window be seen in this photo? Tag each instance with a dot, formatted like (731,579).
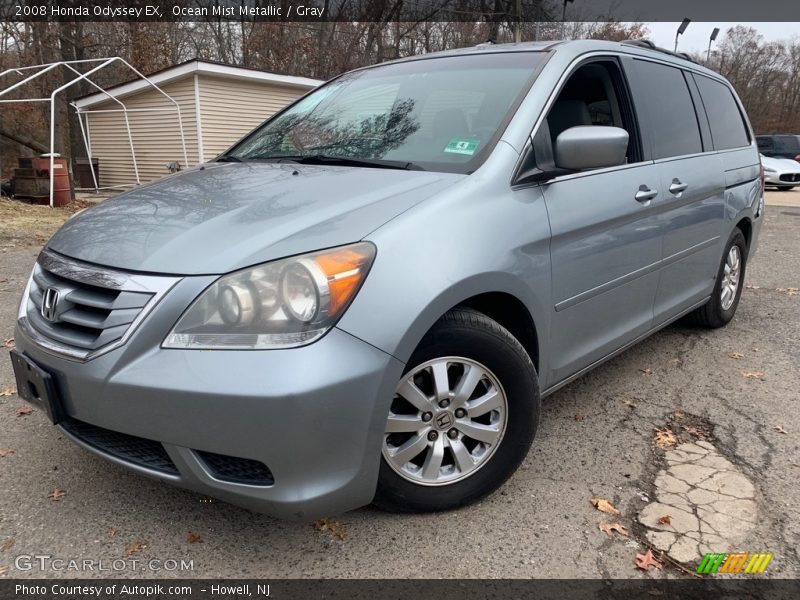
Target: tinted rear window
(724,117)
(670,109)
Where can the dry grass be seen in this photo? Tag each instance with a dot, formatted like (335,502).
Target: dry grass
(23,224)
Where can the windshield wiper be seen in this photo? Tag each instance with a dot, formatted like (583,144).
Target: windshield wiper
(325,159)
(229,158)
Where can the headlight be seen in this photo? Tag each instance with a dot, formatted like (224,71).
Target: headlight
(281,304)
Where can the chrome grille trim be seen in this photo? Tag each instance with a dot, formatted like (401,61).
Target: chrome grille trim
(100,308)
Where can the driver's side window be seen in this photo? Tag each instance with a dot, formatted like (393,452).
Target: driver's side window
(593,95)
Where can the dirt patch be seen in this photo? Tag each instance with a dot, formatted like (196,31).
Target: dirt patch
(24,224)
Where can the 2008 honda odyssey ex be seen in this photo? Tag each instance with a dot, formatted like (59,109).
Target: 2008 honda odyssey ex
(367,297)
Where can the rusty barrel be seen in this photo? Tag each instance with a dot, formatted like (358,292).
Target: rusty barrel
(62,191)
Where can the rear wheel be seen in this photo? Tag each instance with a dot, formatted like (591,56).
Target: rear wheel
(719,310)
(463,417)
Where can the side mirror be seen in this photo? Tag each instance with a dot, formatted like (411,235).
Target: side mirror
(590,147)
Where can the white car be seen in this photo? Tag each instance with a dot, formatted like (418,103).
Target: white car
(781,173)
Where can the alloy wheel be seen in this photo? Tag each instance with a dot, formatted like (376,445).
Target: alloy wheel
(730,277)
(447,419)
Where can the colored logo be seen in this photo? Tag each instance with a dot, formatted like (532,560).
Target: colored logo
(739,562)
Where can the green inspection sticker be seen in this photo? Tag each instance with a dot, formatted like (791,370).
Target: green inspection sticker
(459,146)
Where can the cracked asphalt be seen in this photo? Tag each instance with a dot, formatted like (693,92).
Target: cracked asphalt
(596,439)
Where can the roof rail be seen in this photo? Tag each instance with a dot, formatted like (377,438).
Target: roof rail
(651,46)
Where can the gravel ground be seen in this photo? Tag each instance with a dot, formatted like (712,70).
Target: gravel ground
(596,440)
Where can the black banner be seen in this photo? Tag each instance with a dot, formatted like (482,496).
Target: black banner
(502,11)
(418,589)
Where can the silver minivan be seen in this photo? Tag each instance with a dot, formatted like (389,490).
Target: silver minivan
(366,298)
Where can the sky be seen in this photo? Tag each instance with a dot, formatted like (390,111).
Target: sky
(695,38)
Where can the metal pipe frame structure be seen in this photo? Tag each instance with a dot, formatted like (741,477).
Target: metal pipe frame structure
(39,70)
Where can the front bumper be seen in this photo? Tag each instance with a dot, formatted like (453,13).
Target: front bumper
(313,415)
(774,179)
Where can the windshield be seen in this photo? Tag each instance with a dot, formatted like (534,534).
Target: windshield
(440,114)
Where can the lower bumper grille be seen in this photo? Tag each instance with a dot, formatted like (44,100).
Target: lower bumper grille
(236,470)
(791,177)
(135,450)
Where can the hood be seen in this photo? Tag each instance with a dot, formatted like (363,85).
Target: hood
(226,216)
(782,165)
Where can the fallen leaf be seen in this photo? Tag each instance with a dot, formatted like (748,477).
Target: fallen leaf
(628,402)
(780,289)
(696,431)
(604,505)
(25,410)
(8,391)
(56,495)
(3,279)
(194,538)
(665,520)
(646,560)
(777,428)
(579,417)
(647,371)
(112,531)
(752,287)
(610,528)
(791,291)
(736,355)
(6,452)
(665,438)
(7,545)
(333,528)
(135,548)
(753,374)
(3,570)
(677,415)
(9,343)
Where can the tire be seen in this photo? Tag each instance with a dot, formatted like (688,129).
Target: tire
(786,188)
(461,341)
(715,313)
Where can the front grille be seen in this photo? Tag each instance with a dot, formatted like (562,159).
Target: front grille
(87,316)
(236,470)
(791,177)
(88,309)
(129,448)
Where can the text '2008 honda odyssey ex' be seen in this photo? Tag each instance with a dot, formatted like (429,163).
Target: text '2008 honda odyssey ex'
(367,297)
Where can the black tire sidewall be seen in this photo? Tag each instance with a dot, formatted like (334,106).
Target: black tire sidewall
(507,360)
(724,316)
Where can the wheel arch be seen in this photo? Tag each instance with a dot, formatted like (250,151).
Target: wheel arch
(501,297)
(745,225)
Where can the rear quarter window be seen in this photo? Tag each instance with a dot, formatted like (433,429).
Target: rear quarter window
(724,117)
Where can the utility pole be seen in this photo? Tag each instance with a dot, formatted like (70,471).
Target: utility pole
(713,37)
(684,24)
(564,19)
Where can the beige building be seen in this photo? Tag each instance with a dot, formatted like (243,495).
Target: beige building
(218,105)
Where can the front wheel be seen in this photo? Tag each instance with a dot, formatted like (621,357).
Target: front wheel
(719,310)
(462,419)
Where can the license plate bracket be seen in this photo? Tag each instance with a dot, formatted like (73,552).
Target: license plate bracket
(36,386)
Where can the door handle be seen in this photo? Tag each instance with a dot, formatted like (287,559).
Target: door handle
(645,194)
(677,186)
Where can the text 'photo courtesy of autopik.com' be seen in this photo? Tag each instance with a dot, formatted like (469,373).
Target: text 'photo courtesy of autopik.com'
(399,298)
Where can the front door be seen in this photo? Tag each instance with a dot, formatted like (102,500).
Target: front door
(606,235)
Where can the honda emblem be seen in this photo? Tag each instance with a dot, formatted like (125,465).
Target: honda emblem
(50,304)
